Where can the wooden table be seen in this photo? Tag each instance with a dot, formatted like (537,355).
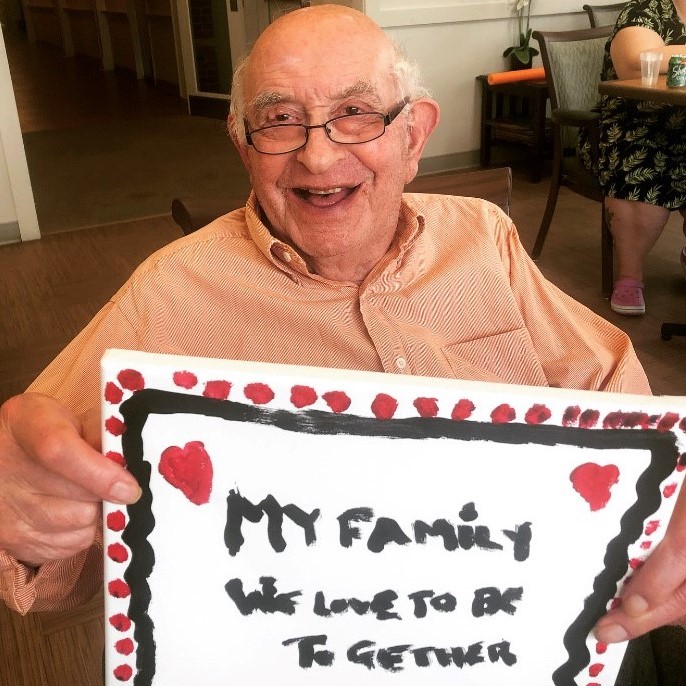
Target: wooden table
(515,113)
(633,89)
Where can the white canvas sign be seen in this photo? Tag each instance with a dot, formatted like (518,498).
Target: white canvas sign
(309,526)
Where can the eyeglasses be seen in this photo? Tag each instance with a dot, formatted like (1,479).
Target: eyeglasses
(349,129)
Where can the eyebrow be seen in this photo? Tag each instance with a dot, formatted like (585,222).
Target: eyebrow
(268,98)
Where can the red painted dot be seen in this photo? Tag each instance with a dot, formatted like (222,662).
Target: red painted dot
(384,406)
(682,424)
(646,545)
(571,415)
(119,588)
(117,552)
(123,673)
(113,394)
(595,669)
(258,393)
(463,409)
(651,526)
(588,419)
(217,390)
(116,521)
(120,622)
(669,490)
(302,396)
(115,426)
(667,421)
(503,414)
(636,419)
(600,648)
(338,401)
(116,457)
(131,380)
(613,420)
(185,380)
(427,407)
(635,563)
(537,414)
(124,646)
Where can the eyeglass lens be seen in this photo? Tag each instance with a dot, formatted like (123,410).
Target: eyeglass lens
(349,128)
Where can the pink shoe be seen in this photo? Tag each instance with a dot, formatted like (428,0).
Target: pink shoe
(627,297)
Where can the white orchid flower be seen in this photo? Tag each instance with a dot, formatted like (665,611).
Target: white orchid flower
(521,4)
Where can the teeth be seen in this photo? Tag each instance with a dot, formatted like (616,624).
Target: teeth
(328,191)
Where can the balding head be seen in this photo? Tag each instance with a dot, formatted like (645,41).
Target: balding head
(315,30)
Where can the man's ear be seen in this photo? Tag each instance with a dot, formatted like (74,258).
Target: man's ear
(241,147)
(424,118)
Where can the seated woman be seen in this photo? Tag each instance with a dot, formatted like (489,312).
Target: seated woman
(641,162)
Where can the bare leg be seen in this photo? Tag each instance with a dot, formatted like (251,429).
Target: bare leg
(635,227)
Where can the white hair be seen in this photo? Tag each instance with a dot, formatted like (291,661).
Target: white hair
(406,73)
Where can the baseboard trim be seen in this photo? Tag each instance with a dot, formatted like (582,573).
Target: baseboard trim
(9,233)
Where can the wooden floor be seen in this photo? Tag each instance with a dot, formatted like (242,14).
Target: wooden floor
(50,288)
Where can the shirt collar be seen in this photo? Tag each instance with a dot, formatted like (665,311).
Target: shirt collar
(285,257)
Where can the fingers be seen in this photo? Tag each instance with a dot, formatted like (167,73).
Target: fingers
(656,594)
(42,436)
(53,480)
(55,531)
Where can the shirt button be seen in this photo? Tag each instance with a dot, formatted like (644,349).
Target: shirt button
(286,256)
(401,362)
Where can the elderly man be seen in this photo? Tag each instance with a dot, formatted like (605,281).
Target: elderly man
(329,264)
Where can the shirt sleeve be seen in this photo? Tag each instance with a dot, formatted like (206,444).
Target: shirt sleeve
(65,584)
(575,347)
(58,585)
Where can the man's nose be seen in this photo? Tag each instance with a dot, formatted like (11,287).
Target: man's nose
(320,152)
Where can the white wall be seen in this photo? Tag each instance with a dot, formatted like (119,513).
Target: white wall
(17,209)
(454,41)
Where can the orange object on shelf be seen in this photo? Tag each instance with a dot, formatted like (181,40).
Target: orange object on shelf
(516,75)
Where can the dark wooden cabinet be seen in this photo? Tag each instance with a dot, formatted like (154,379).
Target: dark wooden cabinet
(515,113)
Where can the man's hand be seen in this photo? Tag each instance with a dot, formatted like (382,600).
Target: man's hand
(656,594)
(53,480)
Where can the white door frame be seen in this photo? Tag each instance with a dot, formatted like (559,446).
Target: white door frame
(13,155)
(236,13)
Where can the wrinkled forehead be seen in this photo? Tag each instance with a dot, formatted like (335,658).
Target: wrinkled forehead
(362,89)
(315,71)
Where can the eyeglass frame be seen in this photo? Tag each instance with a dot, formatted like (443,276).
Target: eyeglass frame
(387,119)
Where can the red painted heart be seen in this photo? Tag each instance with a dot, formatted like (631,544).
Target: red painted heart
(593,482)
(189,469)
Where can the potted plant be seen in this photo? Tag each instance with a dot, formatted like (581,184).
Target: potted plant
(522,54)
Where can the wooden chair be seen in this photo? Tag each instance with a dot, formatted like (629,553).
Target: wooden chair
(603,15)
(573,62)
(494,185)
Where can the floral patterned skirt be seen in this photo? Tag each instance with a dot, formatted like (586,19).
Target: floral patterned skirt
(642,152)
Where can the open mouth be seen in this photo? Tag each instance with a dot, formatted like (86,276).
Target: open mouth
(324,197)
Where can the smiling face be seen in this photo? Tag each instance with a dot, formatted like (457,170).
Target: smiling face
(337,204)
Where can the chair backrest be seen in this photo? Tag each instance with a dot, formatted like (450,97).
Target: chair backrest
(573,63)
(603,15)
(494,185)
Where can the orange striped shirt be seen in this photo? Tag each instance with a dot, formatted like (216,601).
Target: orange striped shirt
(456,296)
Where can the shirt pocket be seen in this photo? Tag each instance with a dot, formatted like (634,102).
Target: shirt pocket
(507,357)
